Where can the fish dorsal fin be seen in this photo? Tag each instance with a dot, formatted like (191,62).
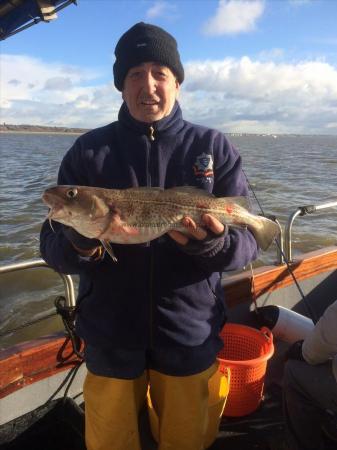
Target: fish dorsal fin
(190,190)
(144,189)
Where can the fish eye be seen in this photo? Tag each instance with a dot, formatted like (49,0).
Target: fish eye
(72,193)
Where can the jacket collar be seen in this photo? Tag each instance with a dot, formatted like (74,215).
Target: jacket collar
(170,124)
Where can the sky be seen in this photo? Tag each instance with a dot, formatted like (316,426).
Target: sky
(251,66)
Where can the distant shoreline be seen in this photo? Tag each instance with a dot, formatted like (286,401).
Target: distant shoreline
(40,129)
(44,129)
(41,132)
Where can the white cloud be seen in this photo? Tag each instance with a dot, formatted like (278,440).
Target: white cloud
(35,73)
(271,54)
(253,96)
(161,8)
(234,16)
(36,92)
(233,95)
(14,82)
(58,83)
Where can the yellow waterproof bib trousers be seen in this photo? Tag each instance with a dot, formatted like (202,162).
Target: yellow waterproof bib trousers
(184,412)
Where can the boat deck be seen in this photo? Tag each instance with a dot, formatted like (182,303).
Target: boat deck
(60,426)
(255,431)
(37,367)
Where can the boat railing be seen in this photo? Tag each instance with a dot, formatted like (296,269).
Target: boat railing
(69,290)
(301,211)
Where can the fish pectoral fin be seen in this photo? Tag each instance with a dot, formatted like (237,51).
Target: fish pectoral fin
(109,250)
(128,230)
(120,228)
(98,207)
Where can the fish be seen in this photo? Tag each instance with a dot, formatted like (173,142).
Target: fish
(140,214)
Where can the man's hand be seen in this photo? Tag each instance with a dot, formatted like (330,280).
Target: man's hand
(84,246)
(197,233)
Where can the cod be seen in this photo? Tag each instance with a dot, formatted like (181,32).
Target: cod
(141,214)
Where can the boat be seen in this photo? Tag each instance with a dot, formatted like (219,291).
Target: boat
(41,401)
(18,15)
(41,379)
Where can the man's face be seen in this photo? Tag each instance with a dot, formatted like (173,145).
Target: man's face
(150,91)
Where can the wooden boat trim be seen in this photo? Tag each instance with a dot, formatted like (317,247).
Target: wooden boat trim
(239,288)
(27,363)
(35,360)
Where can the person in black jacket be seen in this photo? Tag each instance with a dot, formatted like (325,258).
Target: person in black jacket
(310,386)
(154,317)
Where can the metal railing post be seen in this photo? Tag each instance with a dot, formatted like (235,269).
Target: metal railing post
(301,211)
(67,280)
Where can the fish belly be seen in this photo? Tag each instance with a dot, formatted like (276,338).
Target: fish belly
(139,235)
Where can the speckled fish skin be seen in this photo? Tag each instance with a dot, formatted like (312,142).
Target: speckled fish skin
(138,215)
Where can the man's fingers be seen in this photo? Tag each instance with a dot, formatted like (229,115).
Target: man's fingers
(213,224)
(194,231)
(178,237)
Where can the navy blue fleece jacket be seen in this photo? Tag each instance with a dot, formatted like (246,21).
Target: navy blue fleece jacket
(158,296)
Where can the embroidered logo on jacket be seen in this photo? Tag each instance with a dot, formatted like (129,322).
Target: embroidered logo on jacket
(203,168)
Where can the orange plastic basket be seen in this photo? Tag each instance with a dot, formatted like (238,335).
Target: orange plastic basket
(246,352)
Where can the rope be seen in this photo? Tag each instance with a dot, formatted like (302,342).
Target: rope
(70,376)
(252,287)
(310,311)
(253,192)
(68,317)
(68,314)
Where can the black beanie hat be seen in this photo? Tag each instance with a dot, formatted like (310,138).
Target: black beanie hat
(144,43)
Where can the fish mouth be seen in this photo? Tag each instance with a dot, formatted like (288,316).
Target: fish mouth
(54,211)
(51,200)
(48,199)
(54,206)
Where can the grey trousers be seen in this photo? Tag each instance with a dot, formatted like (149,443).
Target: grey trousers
(308,391)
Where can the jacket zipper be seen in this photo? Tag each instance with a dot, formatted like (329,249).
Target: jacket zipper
(151,134)
(151,274)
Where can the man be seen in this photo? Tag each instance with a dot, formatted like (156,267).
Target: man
(153,317)
(310,386)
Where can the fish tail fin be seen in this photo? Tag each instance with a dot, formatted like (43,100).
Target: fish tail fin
(265,231)
(109,250)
